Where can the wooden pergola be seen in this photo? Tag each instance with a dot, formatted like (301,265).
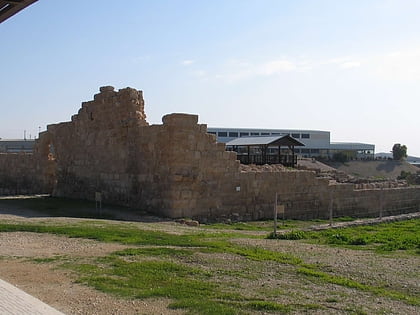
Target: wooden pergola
(265,150)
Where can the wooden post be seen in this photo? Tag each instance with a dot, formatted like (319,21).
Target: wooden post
(381,203)
(293,156)
(98,202)
(275,216)
(330,208)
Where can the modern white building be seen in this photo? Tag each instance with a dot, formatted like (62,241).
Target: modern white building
(16,145)
(317,143)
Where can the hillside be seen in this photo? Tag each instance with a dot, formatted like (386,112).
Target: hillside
(375,169)
(410,159)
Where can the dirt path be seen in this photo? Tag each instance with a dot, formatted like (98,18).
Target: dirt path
(20,251)
(56,286)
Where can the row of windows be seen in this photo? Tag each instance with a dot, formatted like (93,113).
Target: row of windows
(234,134)
(243,150)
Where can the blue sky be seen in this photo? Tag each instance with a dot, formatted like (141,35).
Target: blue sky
(350,67)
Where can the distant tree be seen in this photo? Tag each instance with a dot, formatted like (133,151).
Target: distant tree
(399,152)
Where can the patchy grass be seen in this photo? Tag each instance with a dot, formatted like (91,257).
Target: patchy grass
(349,283)
(385,237)
(291,235)
(268,225)
(268,306)
(161,269)
(46,260)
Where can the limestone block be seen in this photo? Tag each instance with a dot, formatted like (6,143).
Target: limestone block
(192,223)
(106,89)
(186,194)
(180,120)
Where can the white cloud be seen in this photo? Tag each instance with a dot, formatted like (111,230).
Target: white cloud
(395,65)
(401,65)
(199,73)
(276,66)
(187,62)
(349,64)
(237,70)
(141,59)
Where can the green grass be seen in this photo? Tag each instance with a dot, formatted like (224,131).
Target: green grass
(385,237)
(188,287)
(291,235)
(114,233)
(267,225)
(349,283)
(160,270)
(268,306)
(256,225)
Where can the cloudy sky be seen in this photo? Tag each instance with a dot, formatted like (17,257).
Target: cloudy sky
(349,67)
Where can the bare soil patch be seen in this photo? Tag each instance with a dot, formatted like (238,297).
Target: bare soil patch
(375,169)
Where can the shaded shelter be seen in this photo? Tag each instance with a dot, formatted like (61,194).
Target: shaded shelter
(265,150)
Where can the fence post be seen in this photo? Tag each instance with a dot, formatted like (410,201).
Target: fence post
(381,203)
(330,208)
(275,216)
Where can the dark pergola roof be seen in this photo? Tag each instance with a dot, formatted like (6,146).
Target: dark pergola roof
(9,8)
(266,141)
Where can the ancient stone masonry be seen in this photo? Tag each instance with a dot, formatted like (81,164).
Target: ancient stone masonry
(175,169)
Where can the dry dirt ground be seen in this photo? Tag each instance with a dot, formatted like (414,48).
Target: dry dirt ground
(58,287)
(375,169)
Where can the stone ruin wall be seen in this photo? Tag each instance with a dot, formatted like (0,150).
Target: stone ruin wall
(175,169)
(22,173)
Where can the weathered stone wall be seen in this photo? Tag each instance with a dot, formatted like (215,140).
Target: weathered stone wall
(178,170)
(22,173)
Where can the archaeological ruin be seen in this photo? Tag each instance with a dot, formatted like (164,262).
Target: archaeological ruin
(178,170)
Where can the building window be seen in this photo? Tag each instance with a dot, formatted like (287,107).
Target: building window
(316,151)
(304,150)
(296,135)
(244,134)
(265,133)
(305,136)
(233,134)
(255,133)
(275,133)
(211,132)
(297,150)
(222,134)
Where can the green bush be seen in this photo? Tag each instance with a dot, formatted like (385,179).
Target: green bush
(292,235)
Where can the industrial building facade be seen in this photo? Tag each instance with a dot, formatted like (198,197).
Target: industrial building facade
(16,145)
(317,143)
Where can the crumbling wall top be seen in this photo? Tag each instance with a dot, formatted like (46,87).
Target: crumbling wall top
(179,119)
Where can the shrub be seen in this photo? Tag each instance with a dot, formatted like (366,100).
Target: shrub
(292,235)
